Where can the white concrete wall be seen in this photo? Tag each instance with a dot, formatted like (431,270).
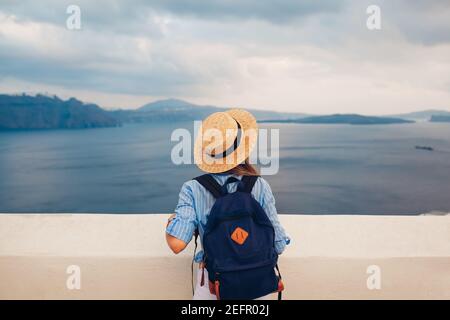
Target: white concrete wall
(125,256)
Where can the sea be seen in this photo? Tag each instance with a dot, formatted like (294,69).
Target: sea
(323,169)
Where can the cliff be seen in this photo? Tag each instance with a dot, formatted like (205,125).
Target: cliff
(44,112)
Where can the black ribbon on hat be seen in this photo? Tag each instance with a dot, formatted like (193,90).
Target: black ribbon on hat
(233,146)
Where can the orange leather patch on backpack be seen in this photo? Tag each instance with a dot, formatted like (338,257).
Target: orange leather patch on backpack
(239,235)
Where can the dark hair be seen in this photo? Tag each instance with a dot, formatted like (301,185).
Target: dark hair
(244,169)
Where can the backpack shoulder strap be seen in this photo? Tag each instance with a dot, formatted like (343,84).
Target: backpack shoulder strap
(249,182)
(210,184)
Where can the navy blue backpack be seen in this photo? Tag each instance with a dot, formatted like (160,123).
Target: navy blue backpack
(239,243)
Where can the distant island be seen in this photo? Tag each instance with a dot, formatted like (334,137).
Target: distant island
(437,118)
(44,112)
(354,119)
(424,115)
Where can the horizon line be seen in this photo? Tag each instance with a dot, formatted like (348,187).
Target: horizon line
(50,95)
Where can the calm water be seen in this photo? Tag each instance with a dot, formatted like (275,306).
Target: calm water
(324,169)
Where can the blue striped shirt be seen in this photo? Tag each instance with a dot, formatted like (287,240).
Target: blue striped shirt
(195,203)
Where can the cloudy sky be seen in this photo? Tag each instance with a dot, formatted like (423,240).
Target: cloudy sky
(306,56)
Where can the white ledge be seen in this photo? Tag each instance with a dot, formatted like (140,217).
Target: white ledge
(125,256)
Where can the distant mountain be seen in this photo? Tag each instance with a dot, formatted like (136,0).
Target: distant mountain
(179,110)
(45,112)
(344,119)
(440,118)
(171,105)
(424,115)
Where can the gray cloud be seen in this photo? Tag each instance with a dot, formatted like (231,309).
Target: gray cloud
(425,22)
(98,63)
(118,11)
(257,53)
(277,12)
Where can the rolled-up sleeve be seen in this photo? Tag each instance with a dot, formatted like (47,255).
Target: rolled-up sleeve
(268,204)
(184,224)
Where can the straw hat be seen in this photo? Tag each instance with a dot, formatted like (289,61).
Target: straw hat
(225,140)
